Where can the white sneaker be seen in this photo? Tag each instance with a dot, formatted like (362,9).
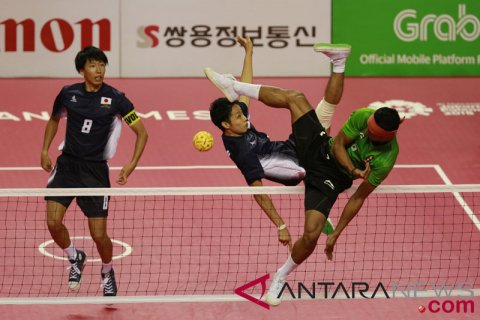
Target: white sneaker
(272,297)
(333,51)
(222,82)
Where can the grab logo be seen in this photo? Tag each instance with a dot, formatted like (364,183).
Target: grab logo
(56,35)
(406,109)
(409,28)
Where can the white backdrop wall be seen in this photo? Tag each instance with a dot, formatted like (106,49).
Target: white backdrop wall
(168,38)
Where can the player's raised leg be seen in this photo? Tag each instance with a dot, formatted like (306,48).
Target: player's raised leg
(273,97)
(338,54)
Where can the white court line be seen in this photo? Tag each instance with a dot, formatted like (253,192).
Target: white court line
(459,197)
(457,294)
(399,166)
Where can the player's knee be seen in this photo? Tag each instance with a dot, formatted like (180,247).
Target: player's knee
(295,95)
(54,225)
(99,237)
(310,238)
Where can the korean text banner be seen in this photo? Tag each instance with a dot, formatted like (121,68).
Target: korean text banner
(168,38)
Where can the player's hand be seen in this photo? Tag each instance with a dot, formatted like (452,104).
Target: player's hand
(331,240)
(363,174)
(45,162)
(124,173)
(246,43)
(285,238)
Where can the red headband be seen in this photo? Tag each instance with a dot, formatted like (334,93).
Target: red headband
(378,131)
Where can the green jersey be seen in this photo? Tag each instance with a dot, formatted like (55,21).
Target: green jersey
(381,158)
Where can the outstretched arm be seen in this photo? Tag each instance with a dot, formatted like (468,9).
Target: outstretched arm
(50,132)
(267,206)
(349,212)
(247,71)
(142,137)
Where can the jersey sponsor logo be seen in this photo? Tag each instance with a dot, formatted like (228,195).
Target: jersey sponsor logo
(105,102)
(329,183)
(131,118)
(74,99)
(406,109)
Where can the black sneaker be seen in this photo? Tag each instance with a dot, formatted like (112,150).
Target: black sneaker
(76,270)
(109,284)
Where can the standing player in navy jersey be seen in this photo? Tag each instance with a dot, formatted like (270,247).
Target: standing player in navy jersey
(94,111)
(255,154)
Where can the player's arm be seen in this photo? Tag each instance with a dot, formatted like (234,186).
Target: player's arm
(50,132)
(141,141)
(247,71)
(349,212)
(268,207)
(339,149)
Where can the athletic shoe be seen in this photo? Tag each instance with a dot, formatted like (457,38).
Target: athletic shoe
(272,297)
(328,228)
(76,270)
(109,284)
(333,51)
(222,82)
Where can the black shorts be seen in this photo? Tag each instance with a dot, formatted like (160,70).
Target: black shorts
(70,172)
(323,180)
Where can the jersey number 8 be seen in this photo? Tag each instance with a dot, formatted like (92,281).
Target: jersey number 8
(87,126)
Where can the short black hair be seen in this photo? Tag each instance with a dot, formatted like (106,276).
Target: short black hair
(220,110)
(387,118)
(89,53)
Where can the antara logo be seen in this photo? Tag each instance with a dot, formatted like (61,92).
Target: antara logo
(263,281)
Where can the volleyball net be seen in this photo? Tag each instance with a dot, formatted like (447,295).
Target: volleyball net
(197,242)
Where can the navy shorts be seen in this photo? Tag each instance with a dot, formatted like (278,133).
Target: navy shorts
(70,172)
(323,181)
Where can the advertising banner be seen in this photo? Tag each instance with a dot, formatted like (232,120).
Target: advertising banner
(409,37)
(41,38)
(179,38)
(168,38)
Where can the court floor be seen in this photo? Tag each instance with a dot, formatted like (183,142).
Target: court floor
(438,145)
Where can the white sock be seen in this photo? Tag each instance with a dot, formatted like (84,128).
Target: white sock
(325,113)
(287,268)
(71,252)
(339,65)
(247,89)
(106,267)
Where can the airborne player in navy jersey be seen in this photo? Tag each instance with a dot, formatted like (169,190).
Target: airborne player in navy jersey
(94,111)
(255,154)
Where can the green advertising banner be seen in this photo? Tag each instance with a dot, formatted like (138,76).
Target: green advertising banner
(409,37)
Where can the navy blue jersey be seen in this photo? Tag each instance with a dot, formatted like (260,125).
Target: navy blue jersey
(253,151)
(93,120)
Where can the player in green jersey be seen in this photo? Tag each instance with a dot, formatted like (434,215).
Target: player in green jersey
(365,148)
